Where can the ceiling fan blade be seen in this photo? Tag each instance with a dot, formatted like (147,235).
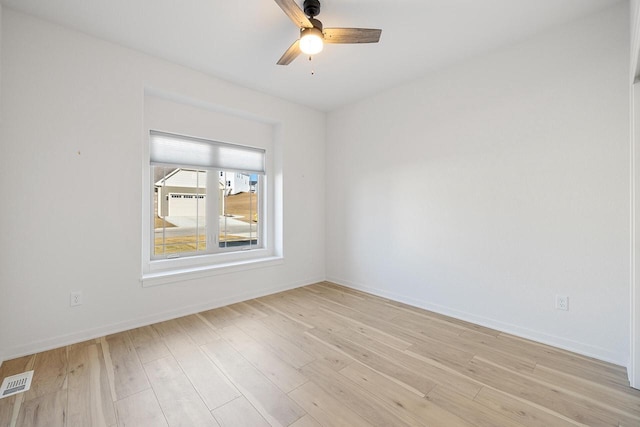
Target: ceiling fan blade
(291,54)
(351,35)
(293,11)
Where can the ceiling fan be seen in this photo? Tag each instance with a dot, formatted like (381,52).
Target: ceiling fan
(313,35)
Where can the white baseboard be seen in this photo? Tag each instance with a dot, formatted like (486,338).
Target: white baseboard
(88,334)
(540,337)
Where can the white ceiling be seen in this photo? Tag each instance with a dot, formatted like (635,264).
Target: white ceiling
(241,40)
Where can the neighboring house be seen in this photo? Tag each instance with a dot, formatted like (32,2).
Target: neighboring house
(234,182)
(176,192)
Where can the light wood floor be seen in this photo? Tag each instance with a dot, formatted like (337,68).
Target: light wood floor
(321,355)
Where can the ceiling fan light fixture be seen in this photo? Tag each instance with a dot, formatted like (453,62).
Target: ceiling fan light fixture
(313,35)
(311,41)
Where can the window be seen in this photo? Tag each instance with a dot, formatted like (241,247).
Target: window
(207,202)
(206,196)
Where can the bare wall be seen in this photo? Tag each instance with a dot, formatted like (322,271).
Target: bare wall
(486,189)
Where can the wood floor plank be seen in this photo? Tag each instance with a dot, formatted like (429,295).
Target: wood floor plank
(249,311)
(309,317)
(123,362)
(370,303)
(415,365)
(370,297)
(442,352)
(10,409)
(400,400)
(586,400)
(325,408)
(574,364)
(521,410)
(148,344)
(550,397)
(309,345)
(442,318)
(540,349)
(212,385)
(285,376)
(427,327)
(306,421)
(140,410)
(366,329)
(199,331)
(89,397)
(174,336)
(44,410)
(299,297)
(448,354)
(588,372)
(355,397)
(17,366)
(180,403)
(239,413)
(379,335)
(285,349)
(383,311)
(456,351)
(331,308)
(257,305)
(474,413)
(277,309)
(283,325)
(221,317)
(274,405)
(626,402)
(50,373)
(493,349)
(410,379)
(45,403)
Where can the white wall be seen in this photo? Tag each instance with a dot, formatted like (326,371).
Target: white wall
(519,162)
(71,138)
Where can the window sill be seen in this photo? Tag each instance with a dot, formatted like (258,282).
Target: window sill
(190,273)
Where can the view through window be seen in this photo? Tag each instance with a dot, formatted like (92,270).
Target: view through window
(199,211)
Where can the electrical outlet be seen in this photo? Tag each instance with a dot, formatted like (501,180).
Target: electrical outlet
(75,298)
(562,302)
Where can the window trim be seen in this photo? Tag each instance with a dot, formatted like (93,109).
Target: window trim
(164,271)
(178,275)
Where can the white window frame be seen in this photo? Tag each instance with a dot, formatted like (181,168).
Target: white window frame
(156,271)
(212,203)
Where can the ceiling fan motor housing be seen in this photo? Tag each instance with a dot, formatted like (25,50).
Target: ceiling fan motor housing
(311,7)
(316,24)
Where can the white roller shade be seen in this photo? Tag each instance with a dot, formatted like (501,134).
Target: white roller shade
(179,150)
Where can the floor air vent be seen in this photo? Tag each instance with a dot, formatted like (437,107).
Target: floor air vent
(16,384)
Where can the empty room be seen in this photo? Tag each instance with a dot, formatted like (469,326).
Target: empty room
(319,213)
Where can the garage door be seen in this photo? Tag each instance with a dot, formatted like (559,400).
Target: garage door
(186,204)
